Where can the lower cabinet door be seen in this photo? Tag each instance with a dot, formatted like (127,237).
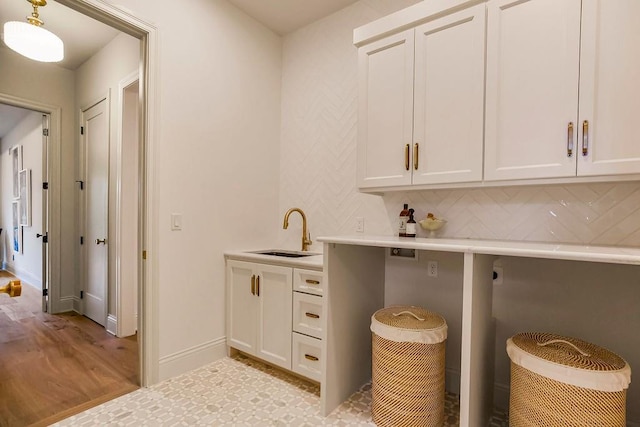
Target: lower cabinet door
(274,288)
(307,353)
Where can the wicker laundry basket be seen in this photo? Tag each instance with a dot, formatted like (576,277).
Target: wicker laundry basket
(561,381)
(408,367)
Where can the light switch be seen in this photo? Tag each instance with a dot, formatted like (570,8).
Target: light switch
(176,222)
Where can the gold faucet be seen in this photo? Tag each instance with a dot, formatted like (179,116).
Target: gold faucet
(306,240)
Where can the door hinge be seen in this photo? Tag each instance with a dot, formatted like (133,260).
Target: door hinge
(45,239)
(45,132)
(81,130)
(45,185)
(45,292)
(144,254)
(81,294)
(82,240)
(81,184)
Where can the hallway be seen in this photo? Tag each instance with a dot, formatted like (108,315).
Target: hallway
(52,366)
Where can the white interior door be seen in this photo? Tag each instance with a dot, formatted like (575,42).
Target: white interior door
(95,129)
(46,118)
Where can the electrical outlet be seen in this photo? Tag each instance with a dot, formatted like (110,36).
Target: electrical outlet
(432,269)
(359,224)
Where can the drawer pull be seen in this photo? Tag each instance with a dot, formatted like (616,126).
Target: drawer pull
(312,315)
(312,282)
(406,157)
(585,137)
(310,357)
(570,139)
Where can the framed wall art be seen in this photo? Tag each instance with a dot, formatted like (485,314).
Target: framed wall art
(17,230)
(15,153)
(24,178)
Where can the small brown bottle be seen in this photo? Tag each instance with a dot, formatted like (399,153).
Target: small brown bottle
(404,217)
(411,225)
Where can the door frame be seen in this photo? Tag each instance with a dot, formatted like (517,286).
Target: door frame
(83,208)
(148,298)
(52,158)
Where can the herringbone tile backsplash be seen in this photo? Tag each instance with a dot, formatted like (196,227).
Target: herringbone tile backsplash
(318,160)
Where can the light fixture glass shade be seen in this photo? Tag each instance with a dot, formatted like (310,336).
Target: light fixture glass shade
(33,42)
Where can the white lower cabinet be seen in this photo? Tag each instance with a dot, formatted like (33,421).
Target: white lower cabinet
(268,320)
(259,310)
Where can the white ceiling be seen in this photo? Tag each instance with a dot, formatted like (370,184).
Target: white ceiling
(284,16)
(82,36)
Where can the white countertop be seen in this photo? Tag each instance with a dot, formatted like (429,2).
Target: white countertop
(606,254)
(313,262)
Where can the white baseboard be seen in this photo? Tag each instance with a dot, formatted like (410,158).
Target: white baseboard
(192,358)
(25,276)
(112,324)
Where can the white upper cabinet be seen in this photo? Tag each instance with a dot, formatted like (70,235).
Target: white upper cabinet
(385,114)
(533,56)
(609,88)
(421,104)
(449,98)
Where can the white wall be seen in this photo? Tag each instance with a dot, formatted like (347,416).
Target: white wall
(217,163)
(27,133)
(52,85)
(318,161)
(96,78)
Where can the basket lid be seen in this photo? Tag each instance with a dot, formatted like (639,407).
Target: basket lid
(570,360)
(409,324)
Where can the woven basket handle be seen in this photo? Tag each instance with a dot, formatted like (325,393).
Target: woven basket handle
(408,312)
(564,342)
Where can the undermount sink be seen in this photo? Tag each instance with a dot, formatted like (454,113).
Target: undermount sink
(285,253)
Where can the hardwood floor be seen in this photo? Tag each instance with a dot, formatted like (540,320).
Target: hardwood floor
(52,366)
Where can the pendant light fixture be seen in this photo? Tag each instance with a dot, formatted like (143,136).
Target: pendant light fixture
(31,40)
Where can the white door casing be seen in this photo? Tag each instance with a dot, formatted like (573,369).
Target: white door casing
(95,141)
(46,129)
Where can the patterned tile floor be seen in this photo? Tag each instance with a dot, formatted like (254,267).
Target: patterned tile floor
(237,392)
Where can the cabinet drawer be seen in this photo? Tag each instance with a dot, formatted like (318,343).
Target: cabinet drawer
(308,281)
(306,356)
(307,314)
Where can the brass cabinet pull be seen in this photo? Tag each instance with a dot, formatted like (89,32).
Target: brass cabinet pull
(415,156)
(312,315)
(310,357)
(406,157)
(585,137)
(570,139)
(253,284)
(258,285)
(312,282)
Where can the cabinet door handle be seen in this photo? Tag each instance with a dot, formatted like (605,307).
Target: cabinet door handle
(312,315)
(253,284)
(570,139)
(416,154)
(258,285)
(310,357)
(406,157)
(585,137)
(312,282)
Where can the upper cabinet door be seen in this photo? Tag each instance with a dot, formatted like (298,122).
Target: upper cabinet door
(609,88)
(385,111)
(533,54)
(449,98)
